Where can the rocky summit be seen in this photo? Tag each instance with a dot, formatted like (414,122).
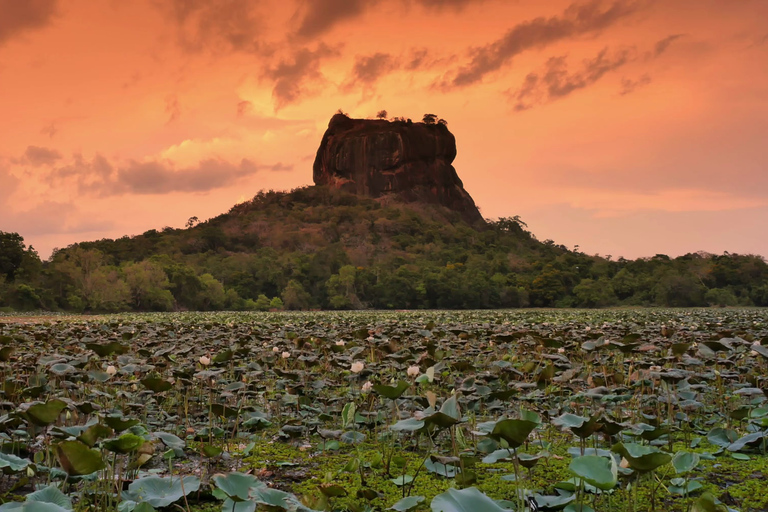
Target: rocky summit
(376,158)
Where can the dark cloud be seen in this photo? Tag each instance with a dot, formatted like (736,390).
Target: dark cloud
(19,16)
(37,156)
(556,82)
(50,130)
(629,86)
(368,68)
(233,25)
(662,45)
(322,15)
(243,107)
(172,108)
(441,4)
(99,177)
(576,20)
(294,76)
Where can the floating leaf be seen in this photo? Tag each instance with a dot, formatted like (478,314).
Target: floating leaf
(126,443)
(77,458)
(514,432)
(685,461)
(642,458)
(43,414)
(464,500)
(161,491)
(407,503)
(235,486)
(391,392)
(600,472)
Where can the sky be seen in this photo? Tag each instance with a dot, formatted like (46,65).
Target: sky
(627,128)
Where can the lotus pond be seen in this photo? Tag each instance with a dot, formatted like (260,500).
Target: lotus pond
(608,410)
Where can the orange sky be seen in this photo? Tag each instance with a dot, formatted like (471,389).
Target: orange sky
(627,127)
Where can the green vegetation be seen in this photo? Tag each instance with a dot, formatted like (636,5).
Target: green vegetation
(319,248)
(624,410)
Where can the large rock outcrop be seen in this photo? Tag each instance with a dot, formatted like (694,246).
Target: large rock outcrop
(378,157)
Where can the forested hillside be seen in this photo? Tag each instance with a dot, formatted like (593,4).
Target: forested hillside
(319,248)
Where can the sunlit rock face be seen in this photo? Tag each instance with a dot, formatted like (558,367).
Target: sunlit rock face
(377,157)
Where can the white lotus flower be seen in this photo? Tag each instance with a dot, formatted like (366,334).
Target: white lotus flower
(275,349)
(367,386)
(285,355)
(357,367)
(111,370)
(561,350)
(205,360)
(413,371)
(341,343)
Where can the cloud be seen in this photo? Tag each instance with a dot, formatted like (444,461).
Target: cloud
(442,4)
(629,86)
(37,156)
(221,25)
(243,107)
(576,20)
(322,15)
(172,108)
(662,45)
(101,178)
(52,217)
(10,183)
(294,75)
(556,82)
(19,16)
(369,68)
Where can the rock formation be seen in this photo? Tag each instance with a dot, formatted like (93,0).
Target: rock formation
(378,157)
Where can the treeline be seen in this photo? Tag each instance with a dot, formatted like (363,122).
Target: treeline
(317,248)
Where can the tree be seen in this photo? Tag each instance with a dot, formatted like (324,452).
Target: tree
(192,221)
(149,286)
(429,119)
(214,296)
(276,303)
(295,297)
(12,251)
(382,114)
(341,289)
(262,303)
(591,293)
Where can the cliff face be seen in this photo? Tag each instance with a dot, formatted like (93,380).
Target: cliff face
(377,157)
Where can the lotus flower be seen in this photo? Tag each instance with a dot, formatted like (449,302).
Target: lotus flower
(111,370)
(413,371)
(357,367)
(285,355)
(205,360)
(367,386)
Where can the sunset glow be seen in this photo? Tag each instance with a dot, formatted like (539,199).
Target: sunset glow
(626,127)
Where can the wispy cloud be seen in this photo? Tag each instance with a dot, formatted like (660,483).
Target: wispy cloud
(294,76)
(320,16)
(555,81)
(99,177)
(629,85)
(37,156)
(662,45)
(224,25)
(576,20)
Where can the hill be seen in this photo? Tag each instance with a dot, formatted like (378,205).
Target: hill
(388,225)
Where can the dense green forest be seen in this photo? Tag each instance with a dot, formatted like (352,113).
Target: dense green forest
(319,248)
